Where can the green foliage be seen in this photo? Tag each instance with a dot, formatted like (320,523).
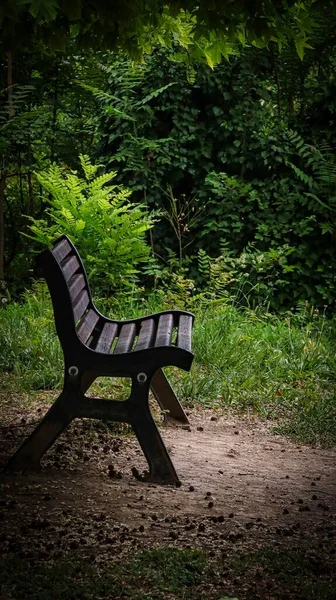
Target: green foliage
(245,152)
(257,188)
(97,215)
(44,112)
(207,30)
(320,180)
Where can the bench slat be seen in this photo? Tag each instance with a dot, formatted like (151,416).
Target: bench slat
(61,250)
(76,285)
(87,325)
(80,305)
(126,338)
(106,338)
(69,266)
(146,335)
(184,332)
(164,331)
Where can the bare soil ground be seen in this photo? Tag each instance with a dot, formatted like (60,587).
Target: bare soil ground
(243,489)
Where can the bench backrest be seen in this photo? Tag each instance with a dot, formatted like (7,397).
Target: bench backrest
(75,315)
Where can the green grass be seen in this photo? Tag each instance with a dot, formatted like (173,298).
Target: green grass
(314,421)
(30,349)
(150,575)
(279,367)
(174,574)
(302,572)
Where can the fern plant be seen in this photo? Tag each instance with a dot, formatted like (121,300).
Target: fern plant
(216,274)
(107,228)
(320,181)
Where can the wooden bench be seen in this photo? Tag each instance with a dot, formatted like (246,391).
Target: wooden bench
(95,346)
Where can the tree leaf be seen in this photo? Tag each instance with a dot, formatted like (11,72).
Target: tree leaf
(45,10)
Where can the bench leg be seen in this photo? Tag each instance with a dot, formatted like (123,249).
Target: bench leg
(166,397)
(161,468)
(134,411)
(87,380)
(30,452)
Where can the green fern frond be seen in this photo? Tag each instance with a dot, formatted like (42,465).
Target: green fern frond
(304,177)
(203,263)
(89,169)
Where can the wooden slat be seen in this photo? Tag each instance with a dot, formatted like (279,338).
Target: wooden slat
(76,284)
(106,338)
(126,338)
(80,305)
(87,325)
(184,332)
(146,335)
(61,250)
(164,331)
(69,266)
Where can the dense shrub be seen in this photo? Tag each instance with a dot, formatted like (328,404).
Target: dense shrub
(219,148)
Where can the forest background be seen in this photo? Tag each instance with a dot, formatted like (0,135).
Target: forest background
(237,161)
(197,176)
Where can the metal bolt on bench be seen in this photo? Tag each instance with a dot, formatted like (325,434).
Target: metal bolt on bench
(95,346)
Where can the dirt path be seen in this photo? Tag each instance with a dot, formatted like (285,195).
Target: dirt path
(240,484)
